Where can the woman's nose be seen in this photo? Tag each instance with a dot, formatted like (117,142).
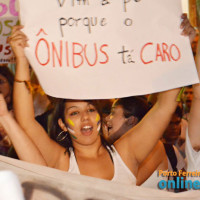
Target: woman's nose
(85,116)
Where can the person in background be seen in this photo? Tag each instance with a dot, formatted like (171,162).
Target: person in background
(173,131)
(6,85)
(6,89)
(18,137)
(127,113)
(187,97)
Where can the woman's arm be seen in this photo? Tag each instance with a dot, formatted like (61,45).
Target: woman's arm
(194,119)
(156,160)
(139,141)
(25,148)
(23,102)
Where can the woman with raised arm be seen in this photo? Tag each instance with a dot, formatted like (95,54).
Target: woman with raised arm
(87,153)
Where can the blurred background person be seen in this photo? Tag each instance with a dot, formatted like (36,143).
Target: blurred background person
(6,88)
(125,114)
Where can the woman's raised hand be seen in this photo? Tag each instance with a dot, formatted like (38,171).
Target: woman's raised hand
(187,28)
(18,41)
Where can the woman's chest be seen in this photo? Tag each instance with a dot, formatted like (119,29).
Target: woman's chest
(100,167)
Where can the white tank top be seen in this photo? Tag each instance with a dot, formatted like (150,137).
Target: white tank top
(122,173)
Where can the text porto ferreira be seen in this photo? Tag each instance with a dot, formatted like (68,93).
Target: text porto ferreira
(179,180)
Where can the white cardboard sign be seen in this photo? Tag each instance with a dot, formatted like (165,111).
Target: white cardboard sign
(8,19)
(97,49)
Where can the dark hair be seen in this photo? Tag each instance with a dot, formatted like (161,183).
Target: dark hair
(55,128)
(133,106)
(179,112)
(5,71)
(188,86)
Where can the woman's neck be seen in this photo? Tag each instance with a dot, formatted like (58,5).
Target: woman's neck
(93,150)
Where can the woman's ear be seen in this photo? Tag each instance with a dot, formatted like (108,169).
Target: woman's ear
(62,125)
(132,121)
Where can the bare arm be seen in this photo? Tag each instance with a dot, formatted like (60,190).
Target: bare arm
(194,120)
(138,142)
(141,139)
(25,148)
(156,160)
(23,103)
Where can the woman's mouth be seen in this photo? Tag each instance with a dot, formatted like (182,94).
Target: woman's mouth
(86,130)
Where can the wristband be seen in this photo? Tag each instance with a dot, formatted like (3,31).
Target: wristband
(27,84)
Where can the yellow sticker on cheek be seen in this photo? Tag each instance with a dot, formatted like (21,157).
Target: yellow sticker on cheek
(97,118)
(70,122)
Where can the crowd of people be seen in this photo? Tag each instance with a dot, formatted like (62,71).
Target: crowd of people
(132,137)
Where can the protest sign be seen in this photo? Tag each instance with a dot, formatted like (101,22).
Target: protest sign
(8,19)
(83,49)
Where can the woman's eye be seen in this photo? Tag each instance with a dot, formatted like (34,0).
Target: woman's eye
(74,113)
(91,110)
(2,81)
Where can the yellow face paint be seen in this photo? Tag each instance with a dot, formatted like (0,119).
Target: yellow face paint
(70,122)
(97,118)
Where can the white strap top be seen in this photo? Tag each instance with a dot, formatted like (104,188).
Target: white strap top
(122,173)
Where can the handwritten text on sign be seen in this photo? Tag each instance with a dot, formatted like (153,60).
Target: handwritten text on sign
(120,48)
(8,19)
(8,7)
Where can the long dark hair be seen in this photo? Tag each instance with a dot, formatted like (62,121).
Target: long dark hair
(55,128)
